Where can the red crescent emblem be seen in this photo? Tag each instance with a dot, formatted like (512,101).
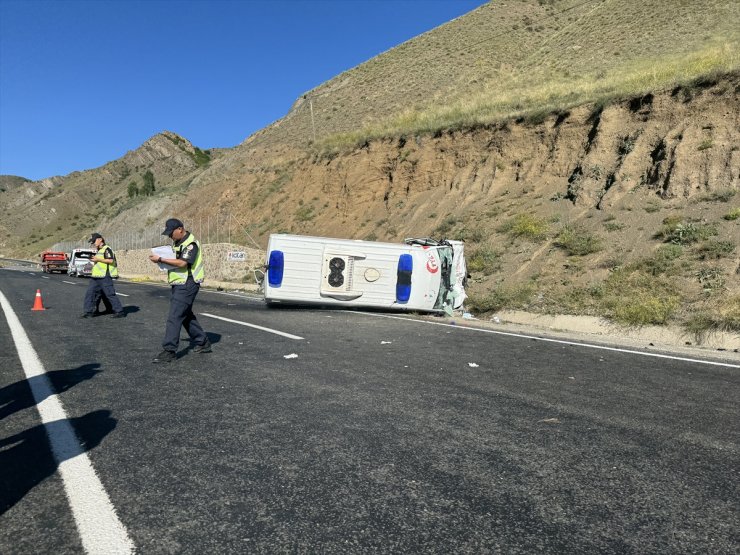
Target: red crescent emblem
(432,266)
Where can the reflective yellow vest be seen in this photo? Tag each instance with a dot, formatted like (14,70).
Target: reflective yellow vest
(179,276)
(99,268)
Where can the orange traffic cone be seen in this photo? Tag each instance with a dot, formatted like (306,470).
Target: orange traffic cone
(38,304)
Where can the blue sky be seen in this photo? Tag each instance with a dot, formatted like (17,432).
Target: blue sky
(82,82)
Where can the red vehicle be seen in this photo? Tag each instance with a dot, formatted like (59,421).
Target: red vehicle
(52,261)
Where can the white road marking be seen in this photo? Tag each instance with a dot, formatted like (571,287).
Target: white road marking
(550,340)
(239,295)
(255,326)
(122,294)
(70,282)
(45,277)
(100,529)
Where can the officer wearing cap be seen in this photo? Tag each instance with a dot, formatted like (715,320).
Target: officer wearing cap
(185,276)
(104,270)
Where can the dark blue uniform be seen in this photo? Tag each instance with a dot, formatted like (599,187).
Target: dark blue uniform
(181,306)
(102,286)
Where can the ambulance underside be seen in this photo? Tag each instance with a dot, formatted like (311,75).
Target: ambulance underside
(421,275)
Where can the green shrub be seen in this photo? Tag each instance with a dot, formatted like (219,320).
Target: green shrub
(446,226)
(652,207)
(526,226)
(686,233)
(133,190)
(733,214)
(200,157)
(147,189)
(645,311)
(661,262)
(500,298)
(470,234)
(577,241)
(715,249)
(672,221)
(705,144)
(575,300)
(305,214)
(636,299)
(483,259)
(711,279)
(723,195)
(613,226)
(726,318)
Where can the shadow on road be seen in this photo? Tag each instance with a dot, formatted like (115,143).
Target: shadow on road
(26,459)
(18,396)
(130,309)
(213,337)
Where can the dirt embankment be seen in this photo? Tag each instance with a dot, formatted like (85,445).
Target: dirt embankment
(672,146)
(629,165)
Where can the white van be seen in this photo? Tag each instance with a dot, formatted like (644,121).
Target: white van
(80,264)
(419,274)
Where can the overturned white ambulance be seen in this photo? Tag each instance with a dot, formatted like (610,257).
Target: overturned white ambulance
(417,275)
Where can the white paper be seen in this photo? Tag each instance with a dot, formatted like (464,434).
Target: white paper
(165,251)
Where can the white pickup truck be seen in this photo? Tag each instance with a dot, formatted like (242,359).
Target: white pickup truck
(80,264)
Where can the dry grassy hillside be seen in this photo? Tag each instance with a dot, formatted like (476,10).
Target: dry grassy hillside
(511,58)
(587,151)
(35,215)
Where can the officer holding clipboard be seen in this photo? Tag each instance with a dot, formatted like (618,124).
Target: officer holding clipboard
(185,273)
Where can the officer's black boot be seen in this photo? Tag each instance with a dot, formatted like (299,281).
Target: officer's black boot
(164,356)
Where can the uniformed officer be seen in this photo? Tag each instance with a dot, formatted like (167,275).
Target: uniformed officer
(104,270)
(185,277)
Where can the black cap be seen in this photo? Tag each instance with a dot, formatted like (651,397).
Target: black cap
(171,225)
(95,236)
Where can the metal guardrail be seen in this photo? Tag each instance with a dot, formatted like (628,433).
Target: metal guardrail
(19,261)
(210,229)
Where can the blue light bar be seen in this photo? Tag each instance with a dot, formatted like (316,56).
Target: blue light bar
(403,279)
(275,267)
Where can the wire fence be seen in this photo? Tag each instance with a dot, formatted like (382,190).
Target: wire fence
(207,229)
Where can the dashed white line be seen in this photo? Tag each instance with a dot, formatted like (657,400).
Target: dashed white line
(255,326)
(238,295)
(122,294)
(70,282)
(550,340)
(100,529)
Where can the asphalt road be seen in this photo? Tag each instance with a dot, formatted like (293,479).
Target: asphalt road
(381,435)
